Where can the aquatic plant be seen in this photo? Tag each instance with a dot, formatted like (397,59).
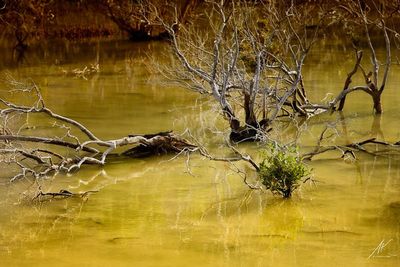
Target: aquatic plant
(282,170)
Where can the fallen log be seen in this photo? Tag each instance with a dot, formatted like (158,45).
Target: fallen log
(158,144)
(30,154)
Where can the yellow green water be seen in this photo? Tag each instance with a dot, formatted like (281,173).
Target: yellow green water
(151,212)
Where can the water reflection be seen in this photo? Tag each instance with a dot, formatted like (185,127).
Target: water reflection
(152,212)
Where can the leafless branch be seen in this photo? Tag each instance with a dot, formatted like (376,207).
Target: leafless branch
(35,155)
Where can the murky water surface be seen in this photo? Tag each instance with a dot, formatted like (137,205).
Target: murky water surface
(152,212)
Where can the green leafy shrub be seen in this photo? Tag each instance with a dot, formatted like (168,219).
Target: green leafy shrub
(281,171)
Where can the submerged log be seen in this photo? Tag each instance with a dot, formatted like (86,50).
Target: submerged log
(158,144)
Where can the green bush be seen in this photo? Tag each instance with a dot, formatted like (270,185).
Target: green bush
(281,171)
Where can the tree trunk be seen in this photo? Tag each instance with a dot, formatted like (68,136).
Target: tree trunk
(377,104)
(250,117)
(248,132)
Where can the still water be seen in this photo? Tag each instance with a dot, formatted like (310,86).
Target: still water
(152,212)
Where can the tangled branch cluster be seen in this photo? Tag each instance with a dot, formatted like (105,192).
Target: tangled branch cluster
(28,150)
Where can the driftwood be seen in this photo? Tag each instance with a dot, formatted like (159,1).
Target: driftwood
(352,148)
(34,155)
(62,194)
(25,152)
(157,144)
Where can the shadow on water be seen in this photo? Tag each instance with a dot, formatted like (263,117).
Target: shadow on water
(61,52)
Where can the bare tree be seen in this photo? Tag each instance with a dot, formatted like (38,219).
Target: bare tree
(249,57)
(368,16)
(251,68)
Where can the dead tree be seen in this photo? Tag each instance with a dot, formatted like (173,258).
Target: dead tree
(350,150)
(31,148)
(36,142)
(364,16)
(235,60)
(372,86)
(249,57)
